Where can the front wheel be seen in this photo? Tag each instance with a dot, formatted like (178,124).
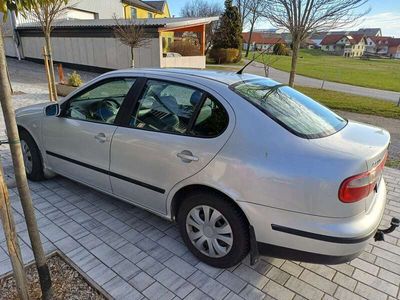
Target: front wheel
(32,157)
(214,229)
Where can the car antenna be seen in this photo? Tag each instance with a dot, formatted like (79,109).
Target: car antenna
(254,58)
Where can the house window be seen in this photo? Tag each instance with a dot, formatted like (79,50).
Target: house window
(133,13)
(149,15)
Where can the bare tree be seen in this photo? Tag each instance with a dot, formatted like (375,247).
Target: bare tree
(18,161)
(202,8)
(244,11)
(46,12)
(131,34)
(301,17)
(255,8)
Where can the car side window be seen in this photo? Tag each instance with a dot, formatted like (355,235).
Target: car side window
(211,120)
(166,107)
(101,103)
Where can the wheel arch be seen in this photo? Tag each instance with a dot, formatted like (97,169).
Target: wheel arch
(180,195)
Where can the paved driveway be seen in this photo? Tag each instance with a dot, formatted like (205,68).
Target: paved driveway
(133,254)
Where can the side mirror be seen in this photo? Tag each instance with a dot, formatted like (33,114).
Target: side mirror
(52,110)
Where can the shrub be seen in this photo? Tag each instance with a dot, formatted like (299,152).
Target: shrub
(74,79)
(222,55)
(185,48)
(280,49)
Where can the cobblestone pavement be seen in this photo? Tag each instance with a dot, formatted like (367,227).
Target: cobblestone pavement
(133,254)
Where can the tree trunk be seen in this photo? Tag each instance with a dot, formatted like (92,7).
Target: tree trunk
(21,180)
(11,239)
(51,66)
(295,53)
(132,58)
(249,41)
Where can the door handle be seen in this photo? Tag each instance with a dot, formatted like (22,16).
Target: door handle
(187,156)
(101,137)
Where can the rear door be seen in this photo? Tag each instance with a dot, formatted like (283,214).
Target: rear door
(174,130)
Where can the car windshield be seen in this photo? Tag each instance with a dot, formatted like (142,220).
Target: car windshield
(296,112)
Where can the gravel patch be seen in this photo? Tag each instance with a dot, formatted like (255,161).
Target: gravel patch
(67,283)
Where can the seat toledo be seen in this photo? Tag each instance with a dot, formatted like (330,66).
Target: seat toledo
(240,162)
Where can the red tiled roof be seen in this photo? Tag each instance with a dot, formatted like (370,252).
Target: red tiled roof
(355,38)
(262,38)
(381,39)
(394,42)
(331,39)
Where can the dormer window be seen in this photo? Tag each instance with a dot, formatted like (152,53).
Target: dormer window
(149,15)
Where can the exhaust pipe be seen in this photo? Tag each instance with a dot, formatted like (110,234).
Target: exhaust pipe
(380,233)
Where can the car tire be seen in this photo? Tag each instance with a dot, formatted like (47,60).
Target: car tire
(32,157)
(227,230)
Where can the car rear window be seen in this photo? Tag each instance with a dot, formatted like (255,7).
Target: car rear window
(298,113)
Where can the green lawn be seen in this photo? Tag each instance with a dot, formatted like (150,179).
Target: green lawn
(352,103)
(375,73)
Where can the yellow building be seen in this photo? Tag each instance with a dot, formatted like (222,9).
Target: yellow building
(137,9)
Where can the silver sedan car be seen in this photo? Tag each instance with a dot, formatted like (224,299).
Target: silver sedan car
(240,162)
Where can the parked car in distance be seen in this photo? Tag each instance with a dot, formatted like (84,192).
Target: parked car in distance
(240,162)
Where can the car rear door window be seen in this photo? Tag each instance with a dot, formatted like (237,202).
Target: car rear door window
(212,119)
(165,107)
(100,103)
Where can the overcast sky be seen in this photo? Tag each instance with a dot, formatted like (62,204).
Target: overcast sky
(384,14)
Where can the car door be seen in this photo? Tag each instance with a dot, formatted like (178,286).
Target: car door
(78,141)
(174,130)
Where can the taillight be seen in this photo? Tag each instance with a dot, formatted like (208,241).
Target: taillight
(358,187)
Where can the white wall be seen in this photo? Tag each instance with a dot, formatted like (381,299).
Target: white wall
(97,52)
(197,62)
(105,8)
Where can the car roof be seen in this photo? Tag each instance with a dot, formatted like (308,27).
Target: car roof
(222,77)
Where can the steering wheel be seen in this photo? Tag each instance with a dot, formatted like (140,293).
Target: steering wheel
(108,109)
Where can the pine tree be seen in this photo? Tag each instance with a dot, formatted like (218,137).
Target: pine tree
(229,32)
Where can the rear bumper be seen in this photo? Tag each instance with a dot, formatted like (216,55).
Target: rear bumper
(309,238)
(303,256)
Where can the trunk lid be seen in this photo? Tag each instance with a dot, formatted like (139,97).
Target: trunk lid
(362,141)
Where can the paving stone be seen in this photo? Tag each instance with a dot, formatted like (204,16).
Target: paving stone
(150,265)
(157,291)
(304,289)
(322,270)
(67,244)
(141,281)
(369,292)
(131,252)
(120,289)
(292,268)
(173,245)
(231,281)
(101,274)
(233,296)
(376,282)
(90,241)
(252,293)
(180,266)
(278,275)
(345,281)
(196,294)
(251,276)
(365,266)
(209,270)
(174,283)
(107,255)
(277,291)
(343,294)
(208,285)
(319,282)
(389,276)
(126,269)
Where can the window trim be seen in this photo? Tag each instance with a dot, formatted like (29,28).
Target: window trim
(65,105)
(133,107)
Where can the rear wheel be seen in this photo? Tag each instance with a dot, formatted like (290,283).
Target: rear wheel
(214,229)
(32,157)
